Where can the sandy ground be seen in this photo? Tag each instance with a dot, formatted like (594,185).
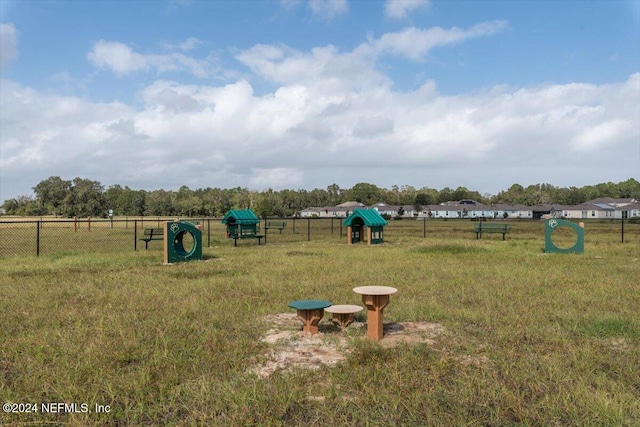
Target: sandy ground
(291,348)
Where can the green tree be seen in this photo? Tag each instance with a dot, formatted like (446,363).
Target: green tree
(86,198)
(50,195)
(366,193)
(160,202)
(335,194)
(446,195)
(21,205)
(423,199)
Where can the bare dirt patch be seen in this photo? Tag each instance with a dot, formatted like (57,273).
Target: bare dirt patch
(291,348)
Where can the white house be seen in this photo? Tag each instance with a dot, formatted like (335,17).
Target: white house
(603,209)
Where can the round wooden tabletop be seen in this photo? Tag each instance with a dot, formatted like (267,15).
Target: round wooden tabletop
(343,309)
(375,290)
(309,304)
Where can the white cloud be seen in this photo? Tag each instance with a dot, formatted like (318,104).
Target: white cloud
(331,117)
(8,44)
(122,60)
(400,9)
(322,66)
(415,43)
(188,45)
(117,57)
(329,9)
(276,178)
(298,136)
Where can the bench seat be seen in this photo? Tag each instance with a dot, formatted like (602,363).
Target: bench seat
(280,225)
(481,228)
(150,234)
(246,234)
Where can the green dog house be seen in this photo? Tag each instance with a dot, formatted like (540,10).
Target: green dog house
(242,224)
(365,225)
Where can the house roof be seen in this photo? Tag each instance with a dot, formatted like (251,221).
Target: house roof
(350,205)
(611,201)
(370,217)
(245,216)
(590,206)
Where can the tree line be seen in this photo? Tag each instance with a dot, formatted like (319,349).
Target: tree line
(83,198)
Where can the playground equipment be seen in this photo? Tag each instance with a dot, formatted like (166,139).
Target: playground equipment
(242,224)
(365,225)
(553,224)
(174,241)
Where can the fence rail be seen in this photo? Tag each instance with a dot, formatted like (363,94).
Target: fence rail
(46,236)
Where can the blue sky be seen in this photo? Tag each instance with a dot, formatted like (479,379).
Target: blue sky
(303,94)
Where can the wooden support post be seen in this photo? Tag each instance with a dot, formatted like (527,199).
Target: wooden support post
(375,298)
(165,242)
(349,235)
(375,305)
(310,319)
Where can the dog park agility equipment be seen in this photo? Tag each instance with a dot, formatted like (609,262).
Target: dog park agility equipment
(365,225)
(310,312)
(553,224)
(375,298)
(242,224)
(174,242)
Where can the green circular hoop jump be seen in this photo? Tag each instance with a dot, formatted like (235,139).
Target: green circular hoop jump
(552,224)
(174,245)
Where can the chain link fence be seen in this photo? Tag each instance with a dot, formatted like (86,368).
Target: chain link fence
(27,237)
(35,237)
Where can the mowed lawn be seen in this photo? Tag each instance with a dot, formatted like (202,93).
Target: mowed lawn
(530,339)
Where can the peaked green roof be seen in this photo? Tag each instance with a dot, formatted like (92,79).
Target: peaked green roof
(245,216)
(371,218)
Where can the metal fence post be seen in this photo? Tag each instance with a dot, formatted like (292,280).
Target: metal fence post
(38,225)
(135,234)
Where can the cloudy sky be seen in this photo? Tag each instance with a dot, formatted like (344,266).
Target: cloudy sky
(303,94)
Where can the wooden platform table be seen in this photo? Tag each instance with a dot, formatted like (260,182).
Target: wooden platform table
(342,315)
(375,298)
(310,312)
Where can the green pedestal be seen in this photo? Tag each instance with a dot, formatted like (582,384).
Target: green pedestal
(175,233)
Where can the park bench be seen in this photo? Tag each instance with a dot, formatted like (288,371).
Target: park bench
(280,225)
(152,234)
(482,227)
(248,233)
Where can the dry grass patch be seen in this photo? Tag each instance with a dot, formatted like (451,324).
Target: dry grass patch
(290,347)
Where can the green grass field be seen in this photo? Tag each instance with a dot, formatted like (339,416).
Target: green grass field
(556,337)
